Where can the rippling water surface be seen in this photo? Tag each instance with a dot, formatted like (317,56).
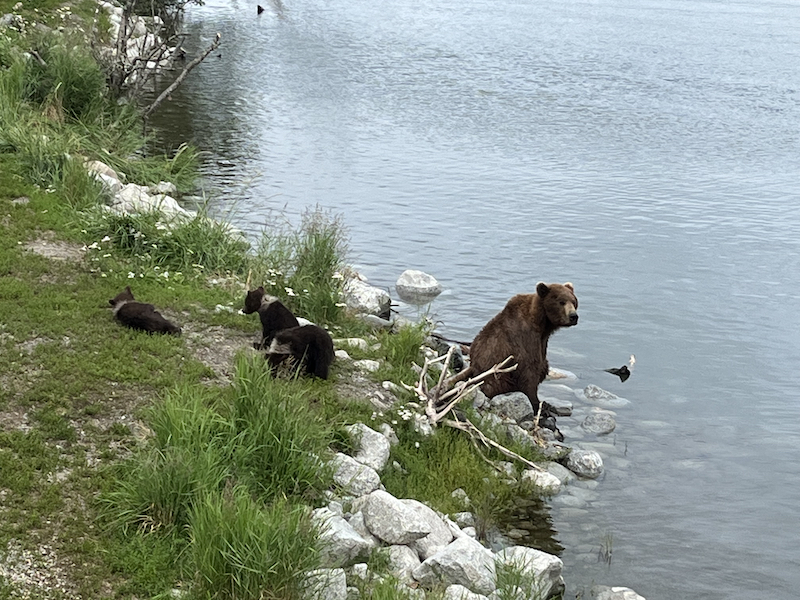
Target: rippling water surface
(647,151)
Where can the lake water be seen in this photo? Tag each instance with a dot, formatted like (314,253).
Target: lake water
(648,151)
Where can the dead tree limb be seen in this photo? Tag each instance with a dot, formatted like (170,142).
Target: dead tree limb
(474,433)
(179,79)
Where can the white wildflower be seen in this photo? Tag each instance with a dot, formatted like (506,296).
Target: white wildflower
(131,274)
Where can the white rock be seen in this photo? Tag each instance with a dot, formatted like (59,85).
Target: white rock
(585,463)
(514,405)
(459,592)
(391,520)
(465,562)
(356,521)
(365,298)
(544,480)
(341,544)
(373,447)
(439,536)
(325,584)
(417,287)
(353,477)
(367,365)
(402,562)
(603,592)
(540,567)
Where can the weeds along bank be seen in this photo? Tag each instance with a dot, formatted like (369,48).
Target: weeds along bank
(135,465)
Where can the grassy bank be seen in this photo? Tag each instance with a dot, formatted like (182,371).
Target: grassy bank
(130,464)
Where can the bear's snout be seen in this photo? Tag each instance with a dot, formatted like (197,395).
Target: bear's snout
(573,318)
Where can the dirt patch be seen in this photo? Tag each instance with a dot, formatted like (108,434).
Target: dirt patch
(55,249)
(217,347)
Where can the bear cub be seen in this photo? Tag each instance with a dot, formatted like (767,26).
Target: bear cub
(522,330)
(141,316)
(273,314)
(282,336)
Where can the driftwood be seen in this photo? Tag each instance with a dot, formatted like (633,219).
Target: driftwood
(439,401)
(179,79)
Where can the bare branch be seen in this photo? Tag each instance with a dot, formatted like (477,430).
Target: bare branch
(474,432)
(178,80)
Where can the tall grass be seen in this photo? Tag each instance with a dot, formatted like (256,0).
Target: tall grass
(242,550)
(279,442)
(303,265)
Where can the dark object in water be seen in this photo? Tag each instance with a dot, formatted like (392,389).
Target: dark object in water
(141,316)
(623,372)
(260,9)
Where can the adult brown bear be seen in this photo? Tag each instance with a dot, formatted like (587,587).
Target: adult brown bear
(522,330)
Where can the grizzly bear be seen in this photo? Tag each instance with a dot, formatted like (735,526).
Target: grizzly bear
(141,316)
(307,343)
(273,314)
(522,330)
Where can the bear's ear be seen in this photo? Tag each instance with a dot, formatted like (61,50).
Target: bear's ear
(542,289)
(260,289)
(569,285)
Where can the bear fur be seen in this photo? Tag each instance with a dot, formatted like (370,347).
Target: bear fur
(273,314)
(308,343)
(141,316)
(282,335)
(522,330)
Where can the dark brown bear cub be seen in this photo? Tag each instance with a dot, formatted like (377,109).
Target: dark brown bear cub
(308,343)
(273,314)
(283,336)
(522,330)
(141,316)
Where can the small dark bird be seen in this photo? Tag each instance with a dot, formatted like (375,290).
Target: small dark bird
(260,9)
(623,372)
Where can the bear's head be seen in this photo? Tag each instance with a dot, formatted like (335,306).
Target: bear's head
(124,296)
(252,301)
(559,302)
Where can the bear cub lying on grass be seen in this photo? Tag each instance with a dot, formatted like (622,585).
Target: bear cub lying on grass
(282,336)
(141,316)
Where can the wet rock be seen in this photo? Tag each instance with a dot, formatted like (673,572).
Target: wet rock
(465,562)
(557,406)
(417,287)
(585,463)
(373,447)
(355,478)
(600,423)
(544,480)
(600,396)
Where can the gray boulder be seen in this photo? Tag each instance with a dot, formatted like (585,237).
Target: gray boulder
(464,561)
(365,298)
(459,592)
(373,447)
(390,519)
(604,592)
(600,423)
(514,405)
(417,287)
(543,570)
(341,543)
(585,463)
(353,477)
(326,584)
(439,536)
